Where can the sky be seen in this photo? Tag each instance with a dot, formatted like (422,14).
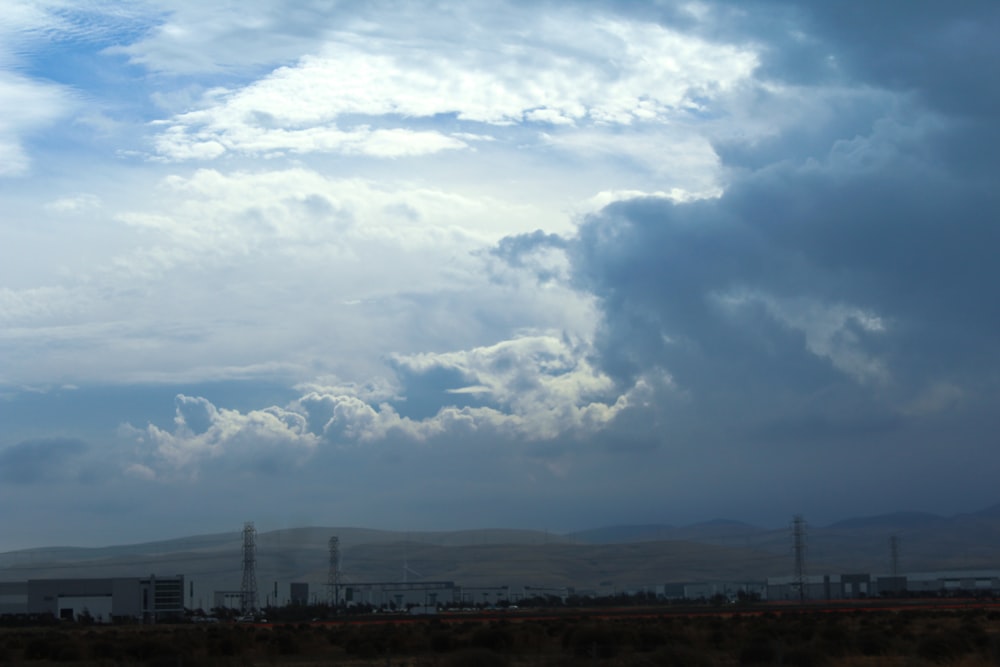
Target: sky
(445,265)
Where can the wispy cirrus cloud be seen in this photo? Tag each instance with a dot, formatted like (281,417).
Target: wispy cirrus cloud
(29,106)
(367,94)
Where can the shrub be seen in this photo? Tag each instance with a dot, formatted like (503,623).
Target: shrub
(805,656)
(597,641)
(650,638)
(441,642)
(37,648)
(759,652)
(681,654)
(941,647)
(476,657)
(285,643)
(492,638)
(874,641)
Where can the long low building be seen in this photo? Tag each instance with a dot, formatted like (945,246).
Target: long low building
(147,599)
(862,585)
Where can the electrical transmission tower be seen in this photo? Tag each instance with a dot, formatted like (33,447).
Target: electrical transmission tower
(333,576)
(894,555)
(799,549)
(248,590)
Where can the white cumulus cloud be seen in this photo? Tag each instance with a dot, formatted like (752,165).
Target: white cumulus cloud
(203,431)
(533,388)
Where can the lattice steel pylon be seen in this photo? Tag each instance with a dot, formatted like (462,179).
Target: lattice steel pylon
(894,555)
(799,549)
(248,589)
(333,576)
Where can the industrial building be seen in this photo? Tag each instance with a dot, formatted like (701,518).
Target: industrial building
(486,596)
(299,593)
(706,590)
(855,586)
(227,600)
(402,594)
(148,599)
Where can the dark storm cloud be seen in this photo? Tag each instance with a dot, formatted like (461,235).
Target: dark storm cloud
(875,229)
(942,51)
(40,460)
(939,55)
(654,266)
(848,271)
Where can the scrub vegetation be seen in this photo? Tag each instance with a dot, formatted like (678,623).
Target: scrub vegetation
(967,638)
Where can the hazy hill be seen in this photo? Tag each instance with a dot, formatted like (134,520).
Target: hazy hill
(608,558)
(619,534)
(720,531)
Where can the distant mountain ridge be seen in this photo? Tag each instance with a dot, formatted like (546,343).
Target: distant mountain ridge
(615,556)
(896,520)
(714,529)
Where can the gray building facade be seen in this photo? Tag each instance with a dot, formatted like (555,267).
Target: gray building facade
(147,599)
